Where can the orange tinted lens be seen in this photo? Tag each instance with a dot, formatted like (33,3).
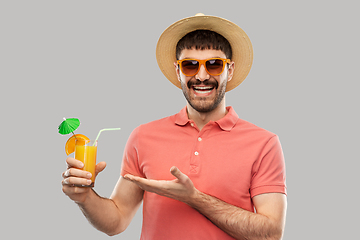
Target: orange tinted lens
(189,67)
(214,66)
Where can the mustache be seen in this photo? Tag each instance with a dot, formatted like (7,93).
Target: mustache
(207,82)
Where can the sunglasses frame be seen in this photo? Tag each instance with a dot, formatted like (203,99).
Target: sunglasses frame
(202,62)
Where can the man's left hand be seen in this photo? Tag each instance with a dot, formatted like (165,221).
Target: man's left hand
(181,188)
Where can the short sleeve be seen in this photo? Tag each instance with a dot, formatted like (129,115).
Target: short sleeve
(268,172)
(130,162)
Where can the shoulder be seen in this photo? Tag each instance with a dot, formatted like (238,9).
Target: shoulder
(156,132)
(251,129)
(158,124)
(246,128)
(155,127)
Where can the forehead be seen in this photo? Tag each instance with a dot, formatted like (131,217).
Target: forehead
(201,54)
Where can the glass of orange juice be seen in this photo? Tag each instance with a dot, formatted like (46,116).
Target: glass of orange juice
(85,151)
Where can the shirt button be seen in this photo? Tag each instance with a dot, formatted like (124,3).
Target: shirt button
(196,153)
(192,124)
(199,139)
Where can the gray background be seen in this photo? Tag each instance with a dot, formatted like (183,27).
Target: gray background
(95,60)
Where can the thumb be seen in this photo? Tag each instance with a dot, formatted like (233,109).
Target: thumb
(178,174)
(100,167)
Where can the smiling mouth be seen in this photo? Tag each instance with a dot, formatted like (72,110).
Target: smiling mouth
(203,89)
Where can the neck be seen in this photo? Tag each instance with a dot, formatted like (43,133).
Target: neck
(202,118)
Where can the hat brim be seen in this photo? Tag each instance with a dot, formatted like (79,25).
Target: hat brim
(242,51)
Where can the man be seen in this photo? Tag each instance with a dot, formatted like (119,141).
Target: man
(202,173)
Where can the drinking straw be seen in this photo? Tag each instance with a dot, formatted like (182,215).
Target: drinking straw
(105,129)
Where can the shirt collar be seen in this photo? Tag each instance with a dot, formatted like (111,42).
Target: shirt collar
(226,123)
(182,117)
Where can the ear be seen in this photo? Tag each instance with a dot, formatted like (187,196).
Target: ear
(231,70)
(177,70)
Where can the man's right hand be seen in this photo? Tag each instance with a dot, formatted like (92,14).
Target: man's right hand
(74,177)
(109,215)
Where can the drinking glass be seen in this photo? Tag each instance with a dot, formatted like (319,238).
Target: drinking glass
(85,151)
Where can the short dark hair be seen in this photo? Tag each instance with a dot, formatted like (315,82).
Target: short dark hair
(204,39)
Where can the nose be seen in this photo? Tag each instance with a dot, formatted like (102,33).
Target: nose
(202,75)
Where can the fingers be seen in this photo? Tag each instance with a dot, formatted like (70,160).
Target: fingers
(129,177)
(74,176)
(74,181)
(137,180)
(181,188)
(174,171)
(74,172)
(73,163)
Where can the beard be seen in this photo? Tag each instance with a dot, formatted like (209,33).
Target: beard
(204,104)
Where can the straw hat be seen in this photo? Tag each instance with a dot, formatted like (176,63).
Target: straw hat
(242,52)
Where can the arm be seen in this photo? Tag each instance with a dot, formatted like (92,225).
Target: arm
(110,216)
(267,223)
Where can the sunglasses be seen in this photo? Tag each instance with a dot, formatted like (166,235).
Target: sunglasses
(213,66)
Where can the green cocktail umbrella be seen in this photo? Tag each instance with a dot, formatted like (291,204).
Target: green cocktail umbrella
(69,126)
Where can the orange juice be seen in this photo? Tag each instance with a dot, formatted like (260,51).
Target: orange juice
(87,154)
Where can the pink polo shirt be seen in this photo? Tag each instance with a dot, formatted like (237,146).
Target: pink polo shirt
(231,159)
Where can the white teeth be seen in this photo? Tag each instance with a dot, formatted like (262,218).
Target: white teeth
(202,91)
(202,88)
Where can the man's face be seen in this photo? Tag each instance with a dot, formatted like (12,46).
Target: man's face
(204,92)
